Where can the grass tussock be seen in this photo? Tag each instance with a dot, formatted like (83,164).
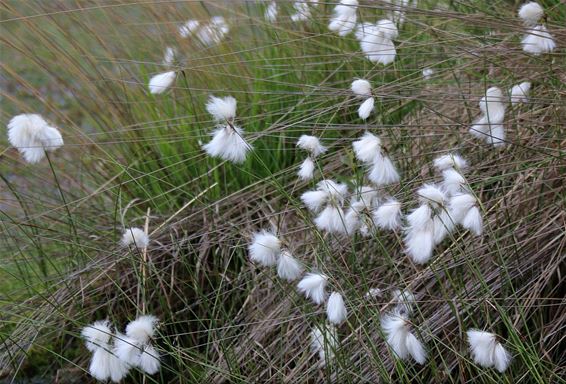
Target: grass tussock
(134,159)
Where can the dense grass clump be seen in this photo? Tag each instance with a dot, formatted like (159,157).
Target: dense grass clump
(135,159)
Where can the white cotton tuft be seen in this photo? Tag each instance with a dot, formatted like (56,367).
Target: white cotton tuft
(487,351)
(136,237)
(127,349)
(100,364)
(271,12)
(352,218)
(366,108)
(222,108)
(97,335)
(520,92)
(367,147)
(420,217)
(336,191)
(443,224)
(383,172)
(288,268)
(404,300)
(453,182)
(490,125)
(160,82)
(169,56)
(229,144)
(388,29)
(331,219)
(142,329)
(531,13)
(400,339)
(314,200)
(473,221)
(149,360)
(376,41)
(361,88)
(451,160)
(432,195)
(427,73)
(460,204)
(302,11)
(373,293)
(336,309)
(538,41)
(306,170)
(344,19)
(420,244)
(312,145)
(367,196)
(388,215)
(265,248)
(313,287)
(189,28)
(32,136)
(324,342)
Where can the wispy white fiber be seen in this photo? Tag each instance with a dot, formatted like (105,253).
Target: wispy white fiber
(344,19)
(288,268)
(302,11)
(383,171)
(330,195)
(189,28)
(366,108)
(427,73)
(222,108)
(464,210)
(324,342)
(376,41)
(367,147)
(97,335)
(315,200)
(336,191)
(169,56)
(32,136)
(313,287)
(149,361)
(453,181)
(520,93)
(312,145)
(489,126)
(487,351)
(531,13)
(213,32)
(538,40)
(388,215)
(306,170)
(450,160)
(336,309)
(361,88)
(136,348)
(331,219)
(135,237)
(271,12)
(228,143)
(161,82)
(401,340)
(265,248)
(404,301)
(104,365)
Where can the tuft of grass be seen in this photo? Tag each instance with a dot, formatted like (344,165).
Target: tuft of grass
(85,66)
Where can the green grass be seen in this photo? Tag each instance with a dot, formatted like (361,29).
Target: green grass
(224,319)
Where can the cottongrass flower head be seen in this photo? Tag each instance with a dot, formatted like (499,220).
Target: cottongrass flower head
(344,19)
(33,136)
(104,365)
(464,210)
(427,73)
(134,237)
(169,56)
(161,82)
(404,301)
(136,348)
(520,93)
(538,40)
(302,11)
(313,286)
(450,161)
(189,28)
(358,216)
(288,268)
(531,13)
(388,215)
(362,89)
(213,32)
(398,334)
(368,149)
(265,248)
(324,342)
(312,145)
(490,124)
(453,182)
(336,309)
(331,218)
(271,12)
(376,41)
(227,140)
(487,351)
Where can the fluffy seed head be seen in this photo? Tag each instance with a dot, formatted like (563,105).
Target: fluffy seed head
(520,92)
(538,40)
(32,136)
(336,309)
(135,237)
(149,360)
(228,143)
(97,335)
(306,170)
(361,87)
(450,160)
(160,82)
(367,147)
(487,351)
(531,13)
(288,268)
(366,108)
(432,195)
(313,287)
(311,144)
(142,329)
(324,341)
(265,248)
(222,108)
(388,215)
(383,171)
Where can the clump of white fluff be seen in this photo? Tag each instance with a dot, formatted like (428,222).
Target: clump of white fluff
(388,215)
(169,56)
(104,365)
(464,210)
(271,12)
(189,28)
(538,40)
(358,217)
(302,11)
(329,197)
(32,136)
(520,93)
(336,309)
(487,351)
(428,224)
(453,181)
(531,13)
(427,73)
(376,41)
(135,237)
(213,32)
(401,340)
(227,141)
(362,89)
(135,348)
(344,19)
(368,150)
(312,145)
(324,342)
(449,161)
(490,124)
(265,248)
(404,301)
(161,82)
(313,287)
(288,268)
